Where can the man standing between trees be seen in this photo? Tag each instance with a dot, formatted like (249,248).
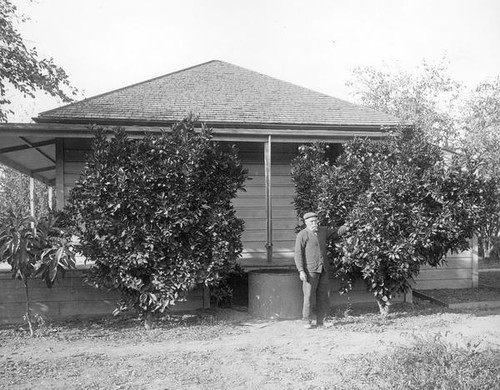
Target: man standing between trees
(313,266)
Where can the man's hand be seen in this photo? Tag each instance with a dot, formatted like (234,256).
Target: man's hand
(342,230)
(303,276)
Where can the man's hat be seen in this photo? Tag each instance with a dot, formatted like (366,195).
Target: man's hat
(309,215)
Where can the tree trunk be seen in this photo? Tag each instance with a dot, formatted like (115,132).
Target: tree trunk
(384,306)
(486,248)
(28,315)
(148,320)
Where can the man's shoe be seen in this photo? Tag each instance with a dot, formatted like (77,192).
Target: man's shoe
(320,323)
(309,326)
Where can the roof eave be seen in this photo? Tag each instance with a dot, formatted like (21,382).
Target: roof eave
(215,124)
(281,133)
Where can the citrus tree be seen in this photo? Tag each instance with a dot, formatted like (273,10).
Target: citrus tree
(403,205)
(154,215)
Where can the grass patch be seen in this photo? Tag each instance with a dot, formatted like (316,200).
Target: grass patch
(427,364)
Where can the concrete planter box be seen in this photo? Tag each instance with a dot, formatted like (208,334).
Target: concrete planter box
(277,294)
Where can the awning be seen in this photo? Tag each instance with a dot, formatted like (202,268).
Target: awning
(32,155)
(31,147)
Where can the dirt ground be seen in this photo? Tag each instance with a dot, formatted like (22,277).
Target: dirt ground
(226,350)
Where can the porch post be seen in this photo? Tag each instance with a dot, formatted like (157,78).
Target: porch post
(32,203)
(269,200)
(32,197)
(50,197)
(60,173)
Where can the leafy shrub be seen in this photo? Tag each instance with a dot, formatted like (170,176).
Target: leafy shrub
(34,248)
(223,293)
(155,214)
(404,207)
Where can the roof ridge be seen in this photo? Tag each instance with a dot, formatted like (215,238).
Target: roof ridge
(127,86)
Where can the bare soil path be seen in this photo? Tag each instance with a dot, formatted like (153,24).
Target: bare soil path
(226,350)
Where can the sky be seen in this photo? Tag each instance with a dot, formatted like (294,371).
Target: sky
(108,44)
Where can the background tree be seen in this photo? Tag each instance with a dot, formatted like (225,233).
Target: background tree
(481,123)
(24,71)
(155,215)
(429,98)
(21,68)
(15,193)
(483,106)
(480,147)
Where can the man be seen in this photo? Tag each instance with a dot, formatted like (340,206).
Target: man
(312,264)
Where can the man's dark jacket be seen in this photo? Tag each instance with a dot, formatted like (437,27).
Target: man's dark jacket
(310,249)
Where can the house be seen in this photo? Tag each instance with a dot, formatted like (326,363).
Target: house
(267,118)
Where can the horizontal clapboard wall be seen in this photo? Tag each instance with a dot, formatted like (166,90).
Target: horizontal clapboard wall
(250,204)
(459,271)
(75,152)
(70,298)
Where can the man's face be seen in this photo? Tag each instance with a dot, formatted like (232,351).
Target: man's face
(312,224)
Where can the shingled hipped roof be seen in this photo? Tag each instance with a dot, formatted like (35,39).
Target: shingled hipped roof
(221,94)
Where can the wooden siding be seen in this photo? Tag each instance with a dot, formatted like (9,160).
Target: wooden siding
(457,272)
(69,298)
(74,152)
(251,206)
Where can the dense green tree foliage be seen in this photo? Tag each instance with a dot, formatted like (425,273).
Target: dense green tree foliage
(403,204)
(154,215)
